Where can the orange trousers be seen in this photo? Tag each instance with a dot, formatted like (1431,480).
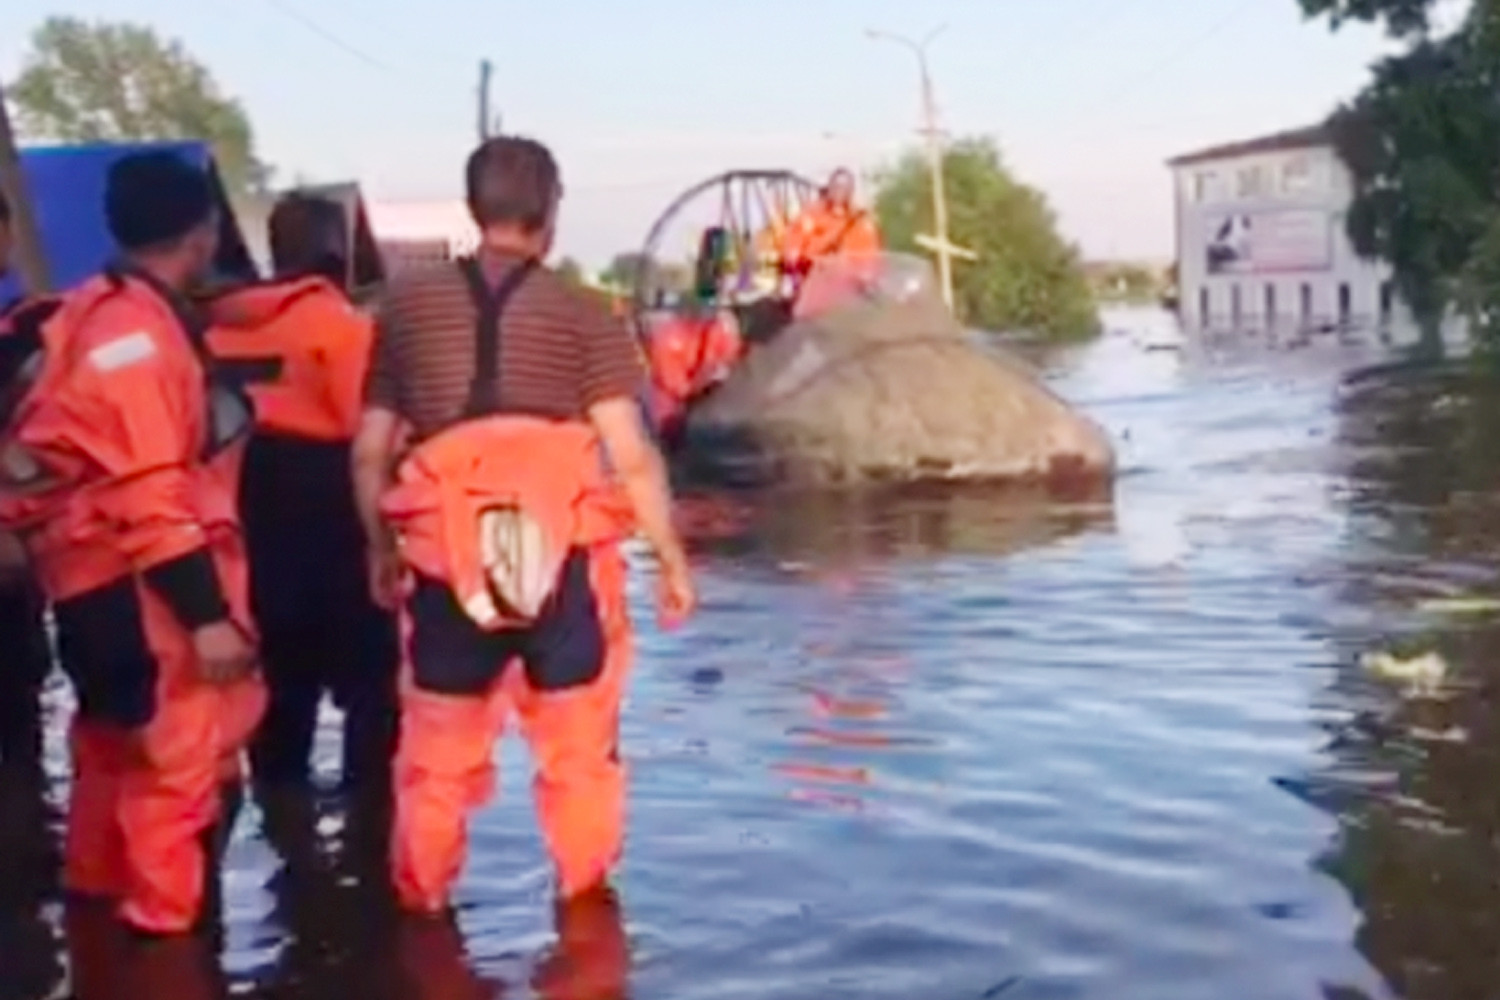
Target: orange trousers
(146,794)
(445,769)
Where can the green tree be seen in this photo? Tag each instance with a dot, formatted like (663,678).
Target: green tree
(1026,276)
(1422,141)
(625,268)
(571,271)
(103,82)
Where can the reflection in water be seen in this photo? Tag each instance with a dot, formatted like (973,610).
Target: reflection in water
(956,743)
(1417,781)
(29,965)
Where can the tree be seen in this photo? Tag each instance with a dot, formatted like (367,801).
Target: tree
(1026,277)
(1422,141)
(103,82)
(570,271)
(626,268)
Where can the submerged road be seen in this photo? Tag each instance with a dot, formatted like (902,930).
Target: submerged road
(965,747)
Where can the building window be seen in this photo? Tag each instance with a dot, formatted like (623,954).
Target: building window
(1203,303)
(1296,175)
(1307,303)
(1252,182)
(1203,184)
(1346,302)
(1234,305)
(1270,305)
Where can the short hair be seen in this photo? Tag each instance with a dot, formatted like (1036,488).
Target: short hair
(308,234)
(512,181)
(154,199)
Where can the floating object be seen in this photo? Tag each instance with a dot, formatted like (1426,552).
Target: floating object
(1424,675)
(1460,605)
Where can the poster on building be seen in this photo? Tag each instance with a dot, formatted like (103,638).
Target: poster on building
(1262,242)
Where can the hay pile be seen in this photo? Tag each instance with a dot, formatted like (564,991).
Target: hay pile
(888,391)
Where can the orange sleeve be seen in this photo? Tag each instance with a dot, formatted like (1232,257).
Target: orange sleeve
(139,395)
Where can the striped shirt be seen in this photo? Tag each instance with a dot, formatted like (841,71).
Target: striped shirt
(560,350)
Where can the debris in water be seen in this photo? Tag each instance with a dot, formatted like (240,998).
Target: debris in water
(1460,605)
(1423,674)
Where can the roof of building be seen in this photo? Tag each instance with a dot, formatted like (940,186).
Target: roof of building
(1300,138)
(66,186)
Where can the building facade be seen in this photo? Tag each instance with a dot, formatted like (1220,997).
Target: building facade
(1261,244)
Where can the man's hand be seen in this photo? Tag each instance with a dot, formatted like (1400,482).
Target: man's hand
(676,595)
(384,567)
(225,653)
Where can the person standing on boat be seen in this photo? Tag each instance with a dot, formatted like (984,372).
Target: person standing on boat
(831,226)
(498,533)
(25,657)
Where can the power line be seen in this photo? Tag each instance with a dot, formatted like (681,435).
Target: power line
(330,37)
(1187,47)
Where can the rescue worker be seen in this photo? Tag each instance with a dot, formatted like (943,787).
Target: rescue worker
(24,654)
(830,226)
(119,468)
(302,350)
(499,535)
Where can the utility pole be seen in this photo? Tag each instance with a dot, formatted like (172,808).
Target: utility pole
(933,134)
(489,126)
(29,255)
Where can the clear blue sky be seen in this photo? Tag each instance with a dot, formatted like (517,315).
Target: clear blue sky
(641,98)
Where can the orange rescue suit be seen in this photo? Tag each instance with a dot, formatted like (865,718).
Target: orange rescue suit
(473,655)
(118,468)
(301,349)
(687,355)
(826,230)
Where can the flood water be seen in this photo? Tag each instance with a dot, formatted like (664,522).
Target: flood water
(970,747)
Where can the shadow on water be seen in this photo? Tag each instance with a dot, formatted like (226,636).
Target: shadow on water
(1416,786)
(957,744)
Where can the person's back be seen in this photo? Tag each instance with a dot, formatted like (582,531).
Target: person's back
(512,384)
(121,459)
(562,350)
(302,350)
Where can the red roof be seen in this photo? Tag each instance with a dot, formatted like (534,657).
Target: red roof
(1301,138)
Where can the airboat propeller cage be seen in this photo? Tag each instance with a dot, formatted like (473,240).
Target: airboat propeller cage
(749,201)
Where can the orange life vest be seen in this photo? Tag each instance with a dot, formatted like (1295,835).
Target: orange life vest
(122,453)
(493,505)
(301,350)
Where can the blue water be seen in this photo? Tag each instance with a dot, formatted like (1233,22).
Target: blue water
(971,747)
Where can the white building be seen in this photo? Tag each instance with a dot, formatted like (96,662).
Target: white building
(1261,243)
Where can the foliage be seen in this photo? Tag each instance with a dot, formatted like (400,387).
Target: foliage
(1422,141)
(624,270)
(570,271)
(103,82)
(1026,277)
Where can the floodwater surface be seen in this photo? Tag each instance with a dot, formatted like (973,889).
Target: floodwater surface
(971,746)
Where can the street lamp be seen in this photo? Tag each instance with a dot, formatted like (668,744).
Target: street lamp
(940,245)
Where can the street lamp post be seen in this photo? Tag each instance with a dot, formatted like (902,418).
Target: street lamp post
(933,134)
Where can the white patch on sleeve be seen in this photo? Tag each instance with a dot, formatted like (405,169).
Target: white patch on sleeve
(122,352)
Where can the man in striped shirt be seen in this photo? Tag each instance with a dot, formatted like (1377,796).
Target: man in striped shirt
(503,349)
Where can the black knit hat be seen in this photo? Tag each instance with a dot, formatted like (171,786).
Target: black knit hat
(154,198)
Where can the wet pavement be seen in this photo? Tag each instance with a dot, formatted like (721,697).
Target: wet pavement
(969,746)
